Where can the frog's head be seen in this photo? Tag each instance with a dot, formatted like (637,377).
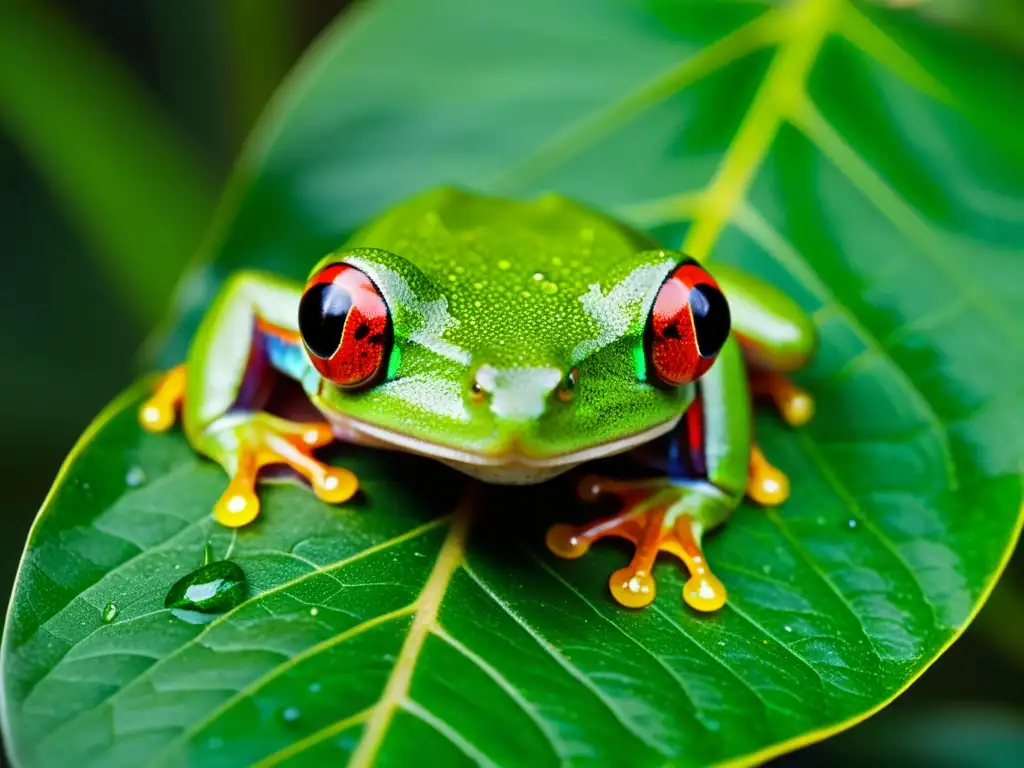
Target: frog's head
(504,356)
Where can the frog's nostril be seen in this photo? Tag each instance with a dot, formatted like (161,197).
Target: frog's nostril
(476,391)
(567,386)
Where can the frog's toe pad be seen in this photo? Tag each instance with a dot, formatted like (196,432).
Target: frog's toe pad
(632,587)
(160,411)
(766,484)
(334,484)
(238,505)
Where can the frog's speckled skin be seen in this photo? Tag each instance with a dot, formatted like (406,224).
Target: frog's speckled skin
(493,303)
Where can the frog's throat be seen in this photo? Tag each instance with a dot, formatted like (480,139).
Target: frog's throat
(511,468)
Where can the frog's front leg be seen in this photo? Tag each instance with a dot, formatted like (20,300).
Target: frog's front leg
(246,338)
(672,513)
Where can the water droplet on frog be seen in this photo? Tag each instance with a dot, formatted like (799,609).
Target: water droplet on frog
(214,588)
(538,276)
(291,714)
(135,477)
(109,613)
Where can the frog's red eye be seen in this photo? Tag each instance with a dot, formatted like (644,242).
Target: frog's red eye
(688,325)
(345,326)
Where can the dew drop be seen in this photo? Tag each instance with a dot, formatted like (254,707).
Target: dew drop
(135,477)
(315,687)
(788,628)
(109,613)
(214,588)
(291,714)
(538,276)
(851,524)
(314,611)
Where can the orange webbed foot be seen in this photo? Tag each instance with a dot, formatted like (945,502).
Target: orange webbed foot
(263,440)
(650,519)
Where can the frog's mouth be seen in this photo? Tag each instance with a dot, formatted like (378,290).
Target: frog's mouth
(509,467)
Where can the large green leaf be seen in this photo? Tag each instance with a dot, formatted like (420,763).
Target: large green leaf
(863,160)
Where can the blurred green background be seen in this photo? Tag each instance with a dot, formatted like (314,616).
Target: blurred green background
(119,123)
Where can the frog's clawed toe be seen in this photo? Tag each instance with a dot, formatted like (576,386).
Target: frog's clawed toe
(265,440)
(650,520)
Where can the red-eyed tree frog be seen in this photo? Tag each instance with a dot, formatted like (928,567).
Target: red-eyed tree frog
(513,341)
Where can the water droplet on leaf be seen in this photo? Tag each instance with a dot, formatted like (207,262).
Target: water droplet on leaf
(213,588)
(135,477)
(109,613)
(291,714)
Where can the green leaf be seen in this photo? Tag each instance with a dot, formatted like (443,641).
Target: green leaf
(864,161)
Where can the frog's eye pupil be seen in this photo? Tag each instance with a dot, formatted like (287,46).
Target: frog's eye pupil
(345,326)
(322,314)
(688,324)
(710,318)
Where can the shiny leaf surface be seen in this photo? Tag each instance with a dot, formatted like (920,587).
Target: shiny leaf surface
(863,160)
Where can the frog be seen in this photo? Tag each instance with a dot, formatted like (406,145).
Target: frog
(514,340)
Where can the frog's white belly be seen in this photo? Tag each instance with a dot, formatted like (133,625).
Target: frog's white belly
(500,469)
